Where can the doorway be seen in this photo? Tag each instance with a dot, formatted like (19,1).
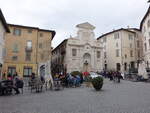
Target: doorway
(118,66)
(125,66)
(11,70)
(86,62)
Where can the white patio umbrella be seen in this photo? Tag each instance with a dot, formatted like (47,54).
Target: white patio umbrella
(142,70)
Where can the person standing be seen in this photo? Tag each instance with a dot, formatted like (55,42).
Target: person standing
(118,76)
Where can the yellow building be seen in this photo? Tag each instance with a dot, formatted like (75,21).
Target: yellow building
(26,47)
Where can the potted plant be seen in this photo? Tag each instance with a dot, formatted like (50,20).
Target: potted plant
(97,83)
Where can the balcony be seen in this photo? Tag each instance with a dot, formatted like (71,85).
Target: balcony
(28,49)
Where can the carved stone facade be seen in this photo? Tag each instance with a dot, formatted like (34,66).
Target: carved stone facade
(80,53)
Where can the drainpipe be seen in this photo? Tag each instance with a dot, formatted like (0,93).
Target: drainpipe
(135,53)
(121,52)
(37,52)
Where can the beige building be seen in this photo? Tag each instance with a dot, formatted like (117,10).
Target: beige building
(26,47)
(80,53)
(121,49)
(145,28)
(139,43)
(3,29)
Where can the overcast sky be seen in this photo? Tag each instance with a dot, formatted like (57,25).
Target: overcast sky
(63,15)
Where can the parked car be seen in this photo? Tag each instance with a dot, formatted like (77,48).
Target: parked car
(93,75)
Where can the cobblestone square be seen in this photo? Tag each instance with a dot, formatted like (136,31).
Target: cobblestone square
(126,97)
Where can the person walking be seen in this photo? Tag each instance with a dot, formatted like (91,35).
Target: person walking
(118,75)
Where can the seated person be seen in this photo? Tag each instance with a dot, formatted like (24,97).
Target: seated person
(2,88)
(7,85)
(56,78)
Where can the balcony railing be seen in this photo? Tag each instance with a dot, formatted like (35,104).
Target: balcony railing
(28,49)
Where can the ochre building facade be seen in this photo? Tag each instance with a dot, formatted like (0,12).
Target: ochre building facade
(26,47)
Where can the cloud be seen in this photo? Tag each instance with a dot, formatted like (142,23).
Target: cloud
(63,15)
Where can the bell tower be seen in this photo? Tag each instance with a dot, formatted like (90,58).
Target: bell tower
(85,32)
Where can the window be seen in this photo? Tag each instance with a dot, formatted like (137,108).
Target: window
(116,36)
(17,32)
(40,45)
(138,53)
(131,53)
(27,71)
(41,34)
(145,47)
(28,56)
(105,55)
(29,44)
(148,23)
(105,66)
(125,66)
(15,48)
(138,43)
(29,30)
(117,52)
(125,55)
(132,64)
(116,44)
(98,54)
(14,58)
(74,52)
(130,37)
(118,66)
(11,70)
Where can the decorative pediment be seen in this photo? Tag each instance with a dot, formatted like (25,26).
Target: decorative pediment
(86,25)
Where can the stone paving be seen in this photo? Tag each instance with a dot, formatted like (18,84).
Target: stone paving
(126,97)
